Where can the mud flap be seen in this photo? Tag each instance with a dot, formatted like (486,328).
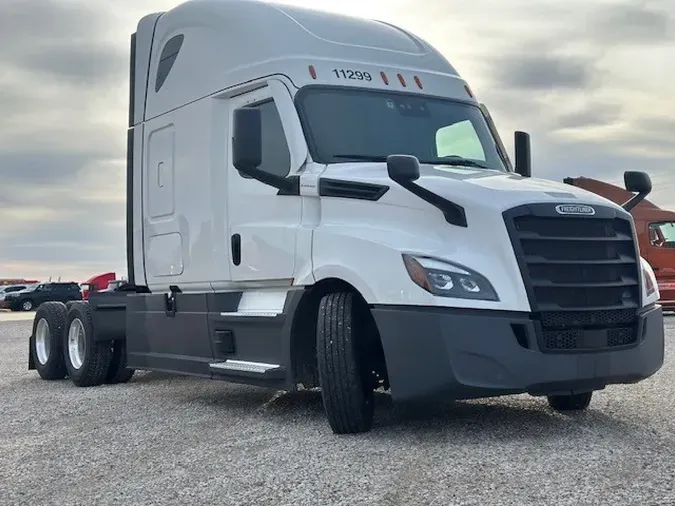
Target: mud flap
(31,361)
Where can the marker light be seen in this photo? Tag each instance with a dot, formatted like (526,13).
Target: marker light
(418,82)
(650,286)
(468,90)
(384,77)
(312,71)
(401,80)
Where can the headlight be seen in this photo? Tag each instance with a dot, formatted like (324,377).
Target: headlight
(649,284)
(448,279)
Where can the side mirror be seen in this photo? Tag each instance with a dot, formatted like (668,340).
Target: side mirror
(246,139)
(247,151)
(403,168)
(636,182)
(523,154)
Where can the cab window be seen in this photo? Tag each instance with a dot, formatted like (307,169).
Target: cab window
(459,139)
(662,235)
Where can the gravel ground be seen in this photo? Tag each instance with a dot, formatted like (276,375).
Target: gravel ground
(6,315)
(162,440)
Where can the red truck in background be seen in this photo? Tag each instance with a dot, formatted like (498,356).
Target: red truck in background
(96,284)
(656,233)
(17,281)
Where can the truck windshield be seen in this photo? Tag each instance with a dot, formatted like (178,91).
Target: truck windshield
(662,234)
(343,124)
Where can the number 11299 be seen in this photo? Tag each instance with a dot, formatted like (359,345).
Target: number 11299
(356,75)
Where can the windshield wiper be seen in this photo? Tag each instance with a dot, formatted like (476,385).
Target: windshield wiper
(367,158)
(455,161)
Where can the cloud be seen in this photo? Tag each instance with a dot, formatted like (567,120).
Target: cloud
(590,81)
(586,117)
(77,66)
(542,72)
(49,21)
(633,24)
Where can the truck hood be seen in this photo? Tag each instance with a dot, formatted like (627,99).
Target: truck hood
(502,190)
(470,187)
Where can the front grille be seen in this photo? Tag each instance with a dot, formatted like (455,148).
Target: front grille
(574,339)
(607,318)
(582,276)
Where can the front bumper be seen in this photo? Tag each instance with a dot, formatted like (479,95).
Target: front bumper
(463,354)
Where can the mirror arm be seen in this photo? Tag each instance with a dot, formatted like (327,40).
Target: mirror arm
(285,185)
(454,213)
(630,204)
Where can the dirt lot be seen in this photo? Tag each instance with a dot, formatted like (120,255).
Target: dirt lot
(6,316)
(162,440)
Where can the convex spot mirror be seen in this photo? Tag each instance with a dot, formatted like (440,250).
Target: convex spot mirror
(403,168)
(637,182)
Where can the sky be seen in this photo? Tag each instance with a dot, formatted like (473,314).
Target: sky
(589,79)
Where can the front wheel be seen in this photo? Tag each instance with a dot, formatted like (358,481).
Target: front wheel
(346,388)
(576,402)
(27,305)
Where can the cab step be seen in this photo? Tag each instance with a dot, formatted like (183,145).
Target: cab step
(247,369)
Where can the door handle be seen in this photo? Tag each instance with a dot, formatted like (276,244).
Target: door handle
(235,240)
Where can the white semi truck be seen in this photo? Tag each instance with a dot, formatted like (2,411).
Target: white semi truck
(319,200)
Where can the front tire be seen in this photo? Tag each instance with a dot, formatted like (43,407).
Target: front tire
(576,402)
(46,341)
(26,305)
(87,361)
(347,392)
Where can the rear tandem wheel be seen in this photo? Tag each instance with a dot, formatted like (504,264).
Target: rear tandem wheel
(87,361)
(46,340)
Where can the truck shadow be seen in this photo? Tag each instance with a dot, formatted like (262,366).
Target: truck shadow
(499,419)
(507,418)
(528,417)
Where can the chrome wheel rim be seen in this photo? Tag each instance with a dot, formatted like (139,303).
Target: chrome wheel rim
(43,339)
(27,305)
(76,343)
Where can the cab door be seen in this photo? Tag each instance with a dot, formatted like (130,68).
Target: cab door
(661,249)
(263,225)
